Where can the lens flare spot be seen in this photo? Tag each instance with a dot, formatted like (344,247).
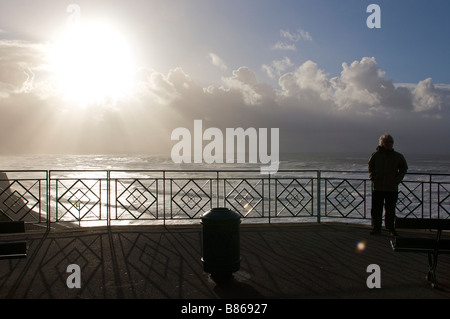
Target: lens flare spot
(360,246)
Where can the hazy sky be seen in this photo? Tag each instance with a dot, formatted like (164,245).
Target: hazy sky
(120,76)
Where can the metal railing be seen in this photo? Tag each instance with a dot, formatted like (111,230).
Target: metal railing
(110,197)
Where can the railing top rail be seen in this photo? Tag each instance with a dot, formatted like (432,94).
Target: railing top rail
(79,170)
(251,170)
(24,170)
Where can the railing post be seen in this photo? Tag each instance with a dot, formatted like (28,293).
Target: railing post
(318,195)
(431,199)
(217,189)
(108,198)
(164,198)
(48,199)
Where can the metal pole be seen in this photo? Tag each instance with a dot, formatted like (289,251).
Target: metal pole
(217,188)
(431,192)
(48,198)
(108,198)
(318,196)
(164,198)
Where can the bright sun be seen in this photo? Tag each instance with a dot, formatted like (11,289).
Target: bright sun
(93,64)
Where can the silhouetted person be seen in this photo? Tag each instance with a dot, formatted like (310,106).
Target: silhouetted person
(386,170)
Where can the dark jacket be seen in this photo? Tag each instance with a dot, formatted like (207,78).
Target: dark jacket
(386,169)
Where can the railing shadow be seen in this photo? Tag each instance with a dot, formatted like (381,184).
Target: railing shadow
(114,265)
(160,264)
(307,261)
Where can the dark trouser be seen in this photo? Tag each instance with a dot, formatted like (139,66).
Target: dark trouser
(389,200)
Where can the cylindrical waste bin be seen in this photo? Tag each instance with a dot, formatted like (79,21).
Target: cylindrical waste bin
(221,243)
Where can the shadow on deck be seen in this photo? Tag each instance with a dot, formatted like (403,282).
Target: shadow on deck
(281,261)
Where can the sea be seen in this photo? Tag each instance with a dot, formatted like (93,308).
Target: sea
(425,164)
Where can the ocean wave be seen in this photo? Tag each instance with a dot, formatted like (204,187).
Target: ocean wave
(160,162)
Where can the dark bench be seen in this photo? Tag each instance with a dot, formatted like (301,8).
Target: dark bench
(432,246)
(9,250)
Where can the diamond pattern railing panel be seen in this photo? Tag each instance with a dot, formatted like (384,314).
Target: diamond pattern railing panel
(410,200)
(444,200)
(18,200)
(190,198)
(345,198)
(245,196)
(79,200)
(136,199)
(22,196)
(294,197)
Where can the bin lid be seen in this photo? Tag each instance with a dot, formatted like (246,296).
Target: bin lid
(221,213)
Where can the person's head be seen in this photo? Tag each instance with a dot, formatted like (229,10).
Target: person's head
(386,141)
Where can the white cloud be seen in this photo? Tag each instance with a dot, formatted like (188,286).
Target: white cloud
(305,83)
(277,67)
(164,89)
(217,61)
(290,38)
(300,34)
(284,46)
(427,97)
(363,84)
(19,63)
(244,81)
